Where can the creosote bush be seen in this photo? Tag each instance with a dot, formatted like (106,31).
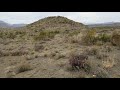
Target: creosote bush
(38,47)
(43,35)
(104,38)
(89,38)
(8,34)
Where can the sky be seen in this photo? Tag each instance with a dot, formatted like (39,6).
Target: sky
(82,17)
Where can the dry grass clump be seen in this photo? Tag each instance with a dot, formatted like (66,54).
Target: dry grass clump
(75,38)
(38,47)
(109,62)
(91,51)
(102,74)
(18,53)
(10,72)
(59,56)
(24,67)
(101,56)
(28,57)
(73,33)
(115,39)
(2,53)
(108,49)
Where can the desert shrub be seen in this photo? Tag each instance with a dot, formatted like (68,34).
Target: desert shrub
(58,56)
(77,60)
(73,39)
(2,54)
(109,62)
(43,35)
(1,35)
(104,38)
(28,57)
(11,35)
(99,43)
(101,56)
(115,39)
(102,74)
(76,32)
(91,51)
(18,53)
(53,54)
(89,38)
(10,72)
(45,55)
(108,49)
(88,67)
(20,33)
(38,47)
(23,68)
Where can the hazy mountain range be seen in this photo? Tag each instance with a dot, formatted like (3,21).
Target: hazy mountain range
(108,24)
(7,25)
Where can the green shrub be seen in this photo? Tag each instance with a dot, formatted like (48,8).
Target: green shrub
(11,35)
(89,38)
(43,35)
(74,33)
(1,35)
(104,38)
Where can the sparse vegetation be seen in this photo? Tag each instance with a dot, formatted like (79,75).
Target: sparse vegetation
(104,38)
(59,47)
(43,35)
(38,47)
(23,68)
(92,51)
(78,61)
(115,40)
(102,74)
(109,61)
(89,38)
(18,53)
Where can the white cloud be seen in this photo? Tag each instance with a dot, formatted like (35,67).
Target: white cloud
(83,17)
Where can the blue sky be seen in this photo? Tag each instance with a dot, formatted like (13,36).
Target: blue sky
(83,17)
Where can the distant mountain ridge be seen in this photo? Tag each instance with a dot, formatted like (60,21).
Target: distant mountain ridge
(7,25)
(108,24)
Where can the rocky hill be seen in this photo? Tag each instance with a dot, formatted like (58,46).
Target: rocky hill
(56,22)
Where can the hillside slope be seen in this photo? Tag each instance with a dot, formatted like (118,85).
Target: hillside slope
(39,50)
(56,22)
